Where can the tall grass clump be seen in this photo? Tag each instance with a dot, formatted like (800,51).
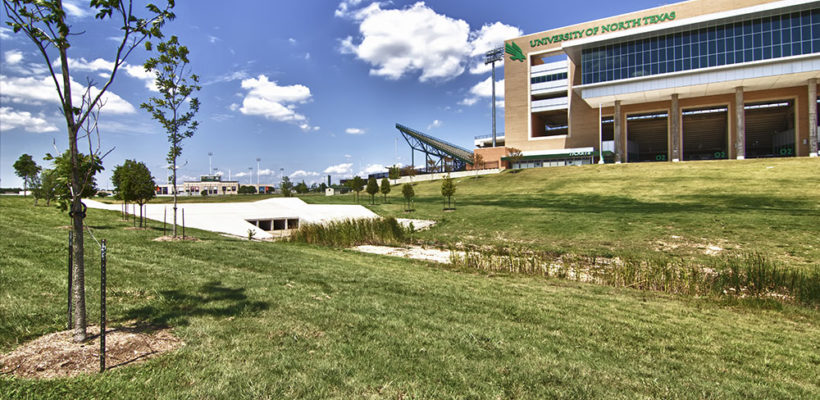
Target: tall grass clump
(352,232)
(747,276)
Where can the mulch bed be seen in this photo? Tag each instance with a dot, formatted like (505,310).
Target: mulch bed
(56,355)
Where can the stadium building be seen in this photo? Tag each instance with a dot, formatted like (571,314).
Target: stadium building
(696,80)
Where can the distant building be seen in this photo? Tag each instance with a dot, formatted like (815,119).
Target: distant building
(211,185)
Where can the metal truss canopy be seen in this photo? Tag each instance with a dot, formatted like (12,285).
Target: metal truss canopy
(438,153)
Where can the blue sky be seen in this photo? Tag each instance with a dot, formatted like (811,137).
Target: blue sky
(312,87)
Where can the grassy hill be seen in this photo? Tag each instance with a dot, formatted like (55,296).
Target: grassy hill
(680,210)
(274,320)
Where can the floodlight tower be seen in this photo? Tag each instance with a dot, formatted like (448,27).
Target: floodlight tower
(210,169)
(257,172)
(490,58)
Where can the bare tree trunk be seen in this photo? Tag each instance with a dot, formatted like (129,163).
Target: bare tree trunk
(78,283)
(174,190)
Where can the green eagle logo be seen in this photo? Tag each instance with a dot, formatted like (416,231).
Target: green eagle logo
(513,50)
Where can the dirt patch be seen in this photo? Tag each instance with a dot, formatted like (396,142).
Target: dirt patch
(176,239)
(704,246)
(64,227)
(414,252)
(57,356)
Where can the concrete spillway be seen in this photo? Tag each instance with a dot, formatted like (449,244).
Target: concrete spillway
(265,217)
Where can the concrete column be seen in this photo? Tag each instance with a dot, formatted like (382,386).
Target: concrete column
(617,133)
(674,129)
(740,124)
(813,117)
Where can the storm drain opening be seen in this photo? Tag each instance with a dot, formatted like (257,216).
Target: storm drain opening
(770,129)
(705,133)
(275,224)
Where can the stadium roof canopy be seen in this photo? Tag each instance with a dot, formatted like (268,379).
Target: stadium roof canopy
(431,146)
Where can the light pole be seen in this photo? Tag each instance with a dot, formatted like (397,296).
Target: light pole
(210,169)
(491,57)
(257,172)
(250,175)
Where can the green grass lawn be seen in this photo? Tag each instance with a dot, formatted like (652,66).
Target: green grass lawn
(276,320)
(644,210)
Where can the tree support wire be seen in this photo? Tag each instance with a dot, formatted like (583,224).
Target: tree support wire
(438,154)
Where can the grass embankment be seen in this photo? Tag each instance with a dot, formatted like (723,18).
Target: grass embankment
(692,210)
(275,320)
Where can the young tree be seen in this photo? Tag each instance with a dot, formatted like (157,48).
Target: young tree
(372,189)
(478,162)
(394,172)
(175,108)
(514,155)
(408,193)
(46,188)
(34,187)
(26,168)
(286,186)
(301,187)
(357,184)
(133,182)
(385,188)
(89,166)
(44,22)
(448,189)
(410,171)
(431,166)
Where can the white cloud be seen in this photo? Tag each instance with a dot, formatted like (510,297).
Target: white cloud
(484,89)
(82,64)
(354,131)
(292,41)
(274,102)
(372,169)
(344,8)
(73,9)
(339,169)
(435,124)
(415,39)
(37,91)
(104,68)
(303,174)
(241,174)
(487,38)
(213,39)
(266,172)
(5,33)
(228,77)
(139,72)
(397,42)
(13,57)
(10,119)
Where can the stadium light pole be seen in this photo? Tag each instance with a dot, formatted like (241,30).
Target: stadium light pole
(250,175)
(490,58)
(210,169)
(257,172)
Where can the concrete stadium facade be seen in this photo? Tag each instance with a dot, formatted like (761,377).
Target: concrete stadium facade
(696,80)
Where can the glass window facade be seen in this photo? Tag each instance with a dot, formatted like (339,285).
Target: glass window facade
(549,78)
(756,39)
